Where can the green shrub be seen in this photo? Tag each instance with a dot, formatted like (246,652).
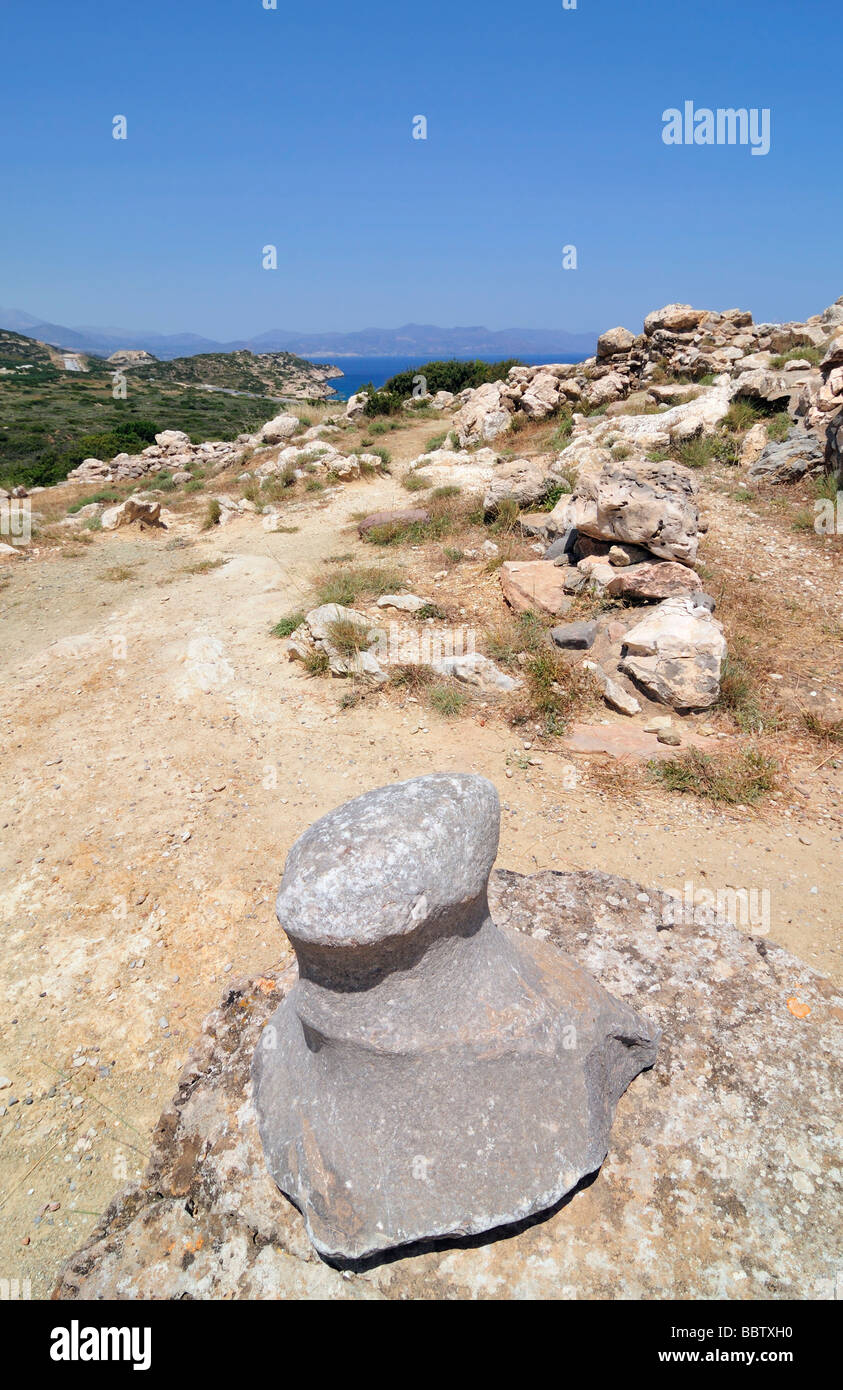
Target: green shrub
(349,637)
(739,695)
(416,482)
(213,511)
(806,353)
(107,496)
(451,375)
(779,426)
(316,662)
(741,415)
(436,441)
(287,625)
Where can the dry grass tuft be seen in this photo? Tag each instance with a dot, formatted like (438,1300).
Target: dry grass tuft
(741,778)
(348,585)
(558,691)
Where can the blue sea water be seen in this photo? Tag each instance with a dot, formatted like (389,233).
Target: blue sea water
(358,370)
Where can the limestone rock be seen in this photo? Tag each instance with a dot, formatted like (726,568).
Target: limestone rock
(754,443)
(619,556)
(616,340)
(597,571)
(789,459)
(134,509)
(690,418)
(281,427)
(475,669)
(483,416)
(613,692)
(611,387)
(652,582)
(673,318)
(534,584)
(648,504)
(407,603)
(831,321)
(676,655)
(770,386)
(524,480)
(90,471)
(430,1074)
(541,397)
(173,440)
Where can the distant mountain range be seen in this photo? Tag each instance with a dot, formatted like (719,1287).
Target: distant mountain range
(423,339)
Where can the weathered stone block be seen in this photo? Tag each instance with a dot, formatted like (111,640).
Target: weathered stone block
(431,1073)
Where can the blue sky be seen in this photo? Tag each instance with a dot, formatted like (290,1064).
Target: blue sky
(293,127)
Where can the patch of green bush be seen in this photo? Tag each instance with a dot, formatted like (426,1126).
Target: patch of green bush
(446,375)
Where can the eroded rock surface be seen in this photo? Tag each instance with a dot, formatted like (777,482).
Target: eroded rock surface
(676,654)
(653,505)
(723,1178)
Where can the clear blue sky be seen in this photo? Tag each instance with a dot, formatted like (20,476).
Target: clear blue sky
(249,126)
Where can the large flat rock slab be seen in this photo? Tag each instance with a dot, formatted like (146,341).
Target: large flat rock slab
(723,1174)
(629,741)
(534,586)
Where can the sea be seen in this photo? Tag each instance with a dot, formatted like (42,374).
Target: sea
(358,370)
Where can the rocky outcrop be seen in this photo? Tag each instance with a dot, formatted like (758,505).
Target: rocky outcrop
(134,510)
(484,416)
(320,633)
(171,451)
(648,504)
(679,341)
(789,460)
(278,429)
(130,357)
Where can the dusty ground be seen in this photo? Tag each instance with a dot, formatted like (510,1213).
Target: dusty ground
(161,755)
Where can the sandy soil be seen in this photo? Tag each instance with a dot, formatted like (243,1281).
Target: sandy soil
(161,755)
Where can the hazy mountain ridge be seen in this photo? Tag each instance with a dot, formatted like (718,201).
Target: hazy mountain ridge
(424,339)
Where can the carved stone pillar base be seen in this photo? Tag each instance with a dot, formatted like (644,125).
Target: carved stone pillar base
(431,1074)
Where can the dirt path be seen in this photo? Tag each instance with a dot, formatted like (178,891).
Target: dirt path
(160,757)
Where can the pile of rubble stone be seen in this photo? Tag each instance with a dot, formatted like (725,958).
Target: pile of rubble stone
(740,358)
(172,451)
(631,533)
(380,642)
